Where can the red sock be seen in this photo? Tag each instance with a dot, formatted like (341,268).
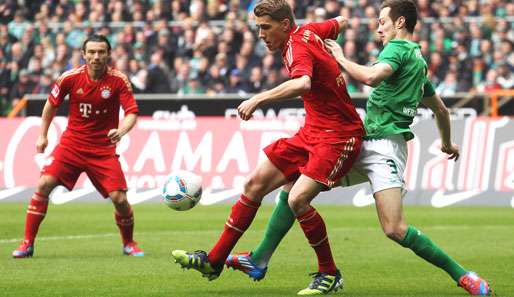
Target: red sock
(126,225)
(314,228)
(241,216)
(36,212)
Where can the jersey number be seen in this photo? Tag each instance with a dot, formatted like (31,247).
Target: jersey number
(394,169)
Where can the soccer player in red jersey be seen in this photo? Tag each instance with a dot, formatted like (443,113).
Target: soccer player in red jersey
(307,163)
(96,92)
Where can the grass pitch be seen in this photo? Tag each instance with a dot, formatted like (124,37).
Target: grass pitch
(78,253)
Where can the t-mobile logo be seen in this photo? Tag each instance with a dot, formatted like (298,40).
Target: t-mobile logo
(85,109)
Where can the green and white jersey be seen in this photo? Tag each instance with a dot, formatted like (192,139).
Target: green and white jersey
(392,105)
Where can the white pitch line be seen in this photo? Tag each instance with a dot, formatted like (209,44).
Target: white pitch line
(70,237)
(89,236)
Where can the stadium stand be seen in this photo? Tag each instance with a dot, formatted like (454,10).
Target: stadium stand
(206,47)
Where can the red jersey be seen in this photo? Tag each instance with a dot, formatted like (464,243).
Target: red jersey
(94,106)
(328,107)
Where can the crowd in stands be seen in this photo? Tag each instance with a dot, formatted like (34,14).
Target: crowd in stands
(209,47)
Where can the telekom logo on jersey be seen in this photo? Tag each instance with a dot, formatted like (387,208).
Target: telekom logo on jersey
(85,109)
(224,151)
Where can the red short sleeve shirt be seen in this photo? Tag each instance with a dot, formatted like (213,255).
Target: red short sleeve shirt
(329,109)
(94,105)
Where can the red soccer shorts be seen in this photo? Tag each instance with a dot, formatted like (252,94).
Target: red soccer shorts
(323,159)
(104,171)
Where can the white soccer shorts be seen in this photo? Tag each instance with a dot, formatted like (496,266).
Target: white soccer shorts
(381,162)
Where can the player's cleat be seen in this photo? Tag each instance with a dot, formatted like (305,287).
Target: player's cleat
(323,283)
(474,284)
(243,262)
(25,250)
(131,249)
(197,260)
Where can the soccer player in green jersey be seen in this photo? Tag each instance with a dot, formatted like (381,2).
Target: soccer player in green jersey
(400,82)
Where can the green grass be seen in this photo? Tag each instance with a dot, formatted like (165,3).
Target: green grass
(79,253)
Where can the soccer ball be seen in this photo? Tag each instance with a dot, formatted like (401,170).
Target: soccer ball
(182,190)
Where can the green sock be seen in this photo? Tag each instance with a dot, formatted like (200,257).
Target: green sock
(422,246)
(280,222)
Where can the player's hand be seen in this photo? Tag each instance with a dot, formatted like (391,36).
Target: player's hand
(333,48)
(246,108)
(452,150)
(41,143)
(114,135)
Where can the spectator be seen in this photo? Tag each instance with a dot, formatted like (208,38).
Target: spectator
(45,83)
(449,86)
(167,45)
(255,83)
(235,83)
(137,76)
(18,26)
(25,85)
(158,80)
(193,86)
(437,67)
(490,83)
(505,77)
(460,44)
(183,74)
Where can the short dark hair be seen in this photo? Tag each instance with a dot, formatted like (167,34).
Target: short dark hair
(278,10)
(405,8)
(96,38)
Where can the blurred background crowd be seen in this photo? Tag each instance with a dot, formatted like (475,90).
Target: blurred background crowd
(210,46)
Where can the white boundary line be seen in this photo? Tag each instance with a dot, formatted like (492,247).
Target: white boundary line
(89,236)
(70,237)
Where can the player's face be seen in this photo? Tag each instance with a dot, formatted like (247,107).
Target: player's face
(96,55)
(386,28)
(273,33)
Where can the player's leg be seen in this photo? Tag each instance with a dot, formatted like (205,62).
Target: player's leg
(36,212)
(328,162)
(353,177)
(328,277)
(262,181)
(107,176)
(389,208)
(284,157)
(124,217)
(255,264)
(281,220)
(64,169)
(384,162)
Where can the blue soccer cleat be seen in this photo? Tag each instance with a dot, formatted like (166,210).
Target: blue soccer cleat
(131,249)
(244,263)
(474,284)
(25,250)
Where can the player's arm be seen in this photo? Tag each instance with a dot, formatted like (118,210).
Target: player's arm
(369,75)
(129,105)
(49,111)
(55,98)
(442,117)
(342,22)
(127,124)
(286,90)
